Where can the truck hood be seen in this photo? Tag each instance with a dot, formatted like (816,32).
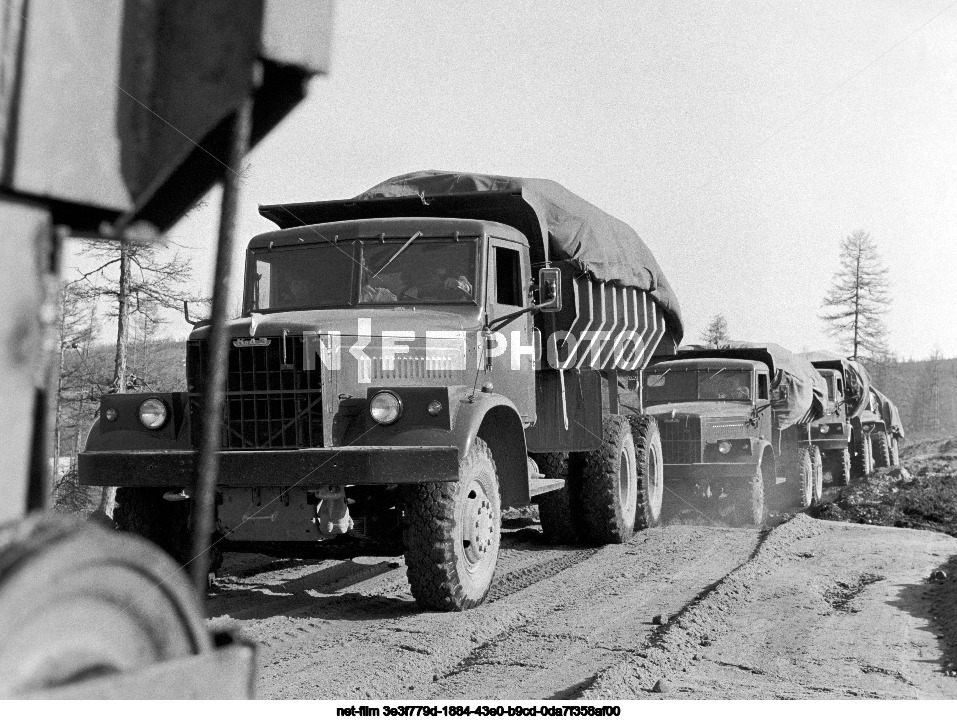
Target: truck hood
(723,410)
(347,322)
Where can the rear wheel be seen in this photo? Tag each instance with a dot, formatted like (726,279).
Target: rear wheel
(881,449)
(610,485)
(556,508)
(452,534)
(166,523)
(817,465)
(79,603)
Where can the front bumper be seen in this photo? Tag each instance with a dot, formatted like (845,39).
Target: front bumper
(831,444)
(708,471)
(308,467)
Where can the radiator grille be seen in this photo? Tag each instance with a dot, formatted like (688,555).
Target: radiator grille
(680,439)
(272,401)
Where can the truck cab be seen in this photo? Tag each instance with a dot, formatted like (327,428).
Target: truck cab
(832,433)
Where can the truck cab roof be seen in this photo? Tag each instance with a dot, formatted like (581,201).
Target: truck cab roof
(373,228)
(709,364)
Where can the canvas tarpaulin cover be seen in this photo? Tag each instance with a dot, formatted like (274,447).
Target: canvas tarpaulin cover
(577,231)
(856,380)
(805,397)
(890,414)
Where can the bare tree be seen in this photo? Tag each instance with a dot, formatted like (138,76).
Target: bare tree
(137,278)
(717,331)
(855,306)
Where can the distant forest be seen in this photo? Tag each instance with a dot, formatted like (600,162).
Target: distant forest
(925,392)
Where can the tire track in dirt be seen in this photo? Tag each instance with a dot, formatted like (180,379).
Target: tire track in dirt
(604,611)
(558,614)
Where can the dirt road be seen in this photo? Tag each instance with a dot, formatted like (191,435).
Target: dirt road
(809,609)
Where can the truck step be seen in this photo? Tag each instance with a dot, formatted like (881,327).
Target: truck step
(538,486)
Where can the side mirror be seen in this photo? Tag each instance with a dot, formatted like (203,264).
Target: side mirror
(549,290)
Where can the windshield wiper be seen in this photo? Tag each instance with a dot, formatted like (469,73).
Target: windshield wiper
(720,370)
(397,254)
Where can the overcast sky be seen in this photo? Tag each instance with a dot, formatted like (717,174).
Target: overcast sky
(742,140)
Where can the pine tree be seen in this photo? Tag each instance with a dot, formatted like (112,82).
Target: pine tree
(859,298)
(717,331)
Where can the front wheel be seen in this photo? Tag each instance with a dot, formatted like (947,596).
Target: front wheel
(651,471)
(840,465)
(801,478)
(749,505)
(817,466)
(452,535)
(881,449)
(860,455)
(143,511)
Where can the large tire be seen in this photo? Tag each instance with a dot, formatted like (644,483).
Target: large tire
(556,509)
(860,454)
(748,496)
(839,463)
(610,485)
(895,451)
(651,471)
(166,523)
(881,449)
(800,475)
(79,604)
(817,466)
(452,535)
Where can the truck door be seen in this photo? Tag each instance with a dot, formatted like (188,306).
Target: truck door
(513,362)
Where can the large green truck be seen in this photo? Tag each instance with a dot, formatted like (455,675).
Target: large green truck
(408,364)
(735,426)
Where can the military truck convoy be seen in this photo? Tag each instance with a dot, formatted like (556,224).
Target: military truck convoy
(736,429)
(412,361)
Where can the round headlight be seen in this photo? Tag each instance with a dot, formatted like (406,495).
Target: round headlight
(435,407)
(112,414)
(724,447)
(385,408)
(823,428)
(153,413)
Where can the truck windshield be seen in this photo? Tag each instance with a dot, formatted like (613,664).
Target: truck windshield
(716,384)
(400,271)
(417,270)
(308,276)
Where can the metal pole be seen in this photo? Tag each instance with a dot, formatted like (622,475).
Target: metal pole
(207,462)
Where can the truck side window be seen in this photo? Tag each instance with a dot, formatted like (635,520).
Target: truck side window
(840,388)
(508,276)
(763,394)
